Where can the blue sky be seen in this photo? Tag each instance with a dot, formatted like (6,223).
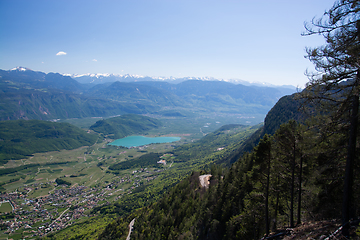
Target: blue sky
(252,40)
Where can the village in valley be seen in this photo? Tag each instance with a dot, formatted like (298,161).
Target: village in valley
(63,205)
(44,205)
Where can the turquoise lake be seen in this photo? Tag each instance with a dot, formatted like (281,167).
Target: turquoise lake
(136,141)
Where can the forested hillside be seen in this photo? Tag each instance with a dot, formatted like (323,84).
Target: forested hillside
(285,109)
(21,138)
(125,125)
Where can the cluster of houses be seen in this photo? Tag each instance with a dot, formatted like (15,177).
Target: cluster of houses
(36,217)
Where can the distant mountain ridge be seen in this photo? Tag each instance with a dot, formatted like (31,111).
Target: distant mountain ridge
(249,94)
(138,93)
(26,94)
(36,95)
(209,96)
(32,79)
(99,78)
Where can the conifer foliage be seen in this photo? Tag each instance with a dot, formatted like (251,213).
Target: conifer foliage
(334,88)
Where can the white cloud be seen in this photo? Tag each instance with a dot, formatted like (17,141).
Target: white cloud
(61,53)
(94,60)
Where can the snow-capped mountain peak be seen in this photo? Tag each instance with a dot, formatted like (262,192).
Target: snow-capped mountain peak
(97,75)
(22,69)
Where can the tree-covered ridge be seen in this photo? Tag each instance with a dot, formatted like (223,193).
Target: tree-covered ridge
(285,109)
(21,138)
(125,125)
(227,144)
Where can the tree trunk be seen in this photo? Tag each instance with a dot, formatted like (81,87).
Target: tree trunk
(299,198)
(292,188)
(276,207)
(348,181)
(267,197)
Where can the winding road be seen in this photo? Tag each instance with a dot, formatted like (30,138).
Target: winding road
(58,218)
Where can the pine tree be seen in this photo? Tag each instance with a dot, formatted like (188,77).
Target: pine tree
(287,141)
(335,85)
(263,152)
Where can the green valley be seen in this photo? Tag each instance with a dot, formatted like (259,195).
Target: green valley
(73,185)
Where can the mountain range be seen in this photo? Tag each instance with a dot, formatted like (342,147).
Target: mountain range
(98,78)
(27,94)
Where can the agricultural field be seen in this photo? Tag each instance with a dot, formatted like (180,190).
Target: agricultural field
(5,207)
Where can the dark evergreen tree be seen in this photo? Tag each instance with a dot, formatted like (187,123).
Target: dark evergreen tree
(287,141)
(335,85)
(264,152)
